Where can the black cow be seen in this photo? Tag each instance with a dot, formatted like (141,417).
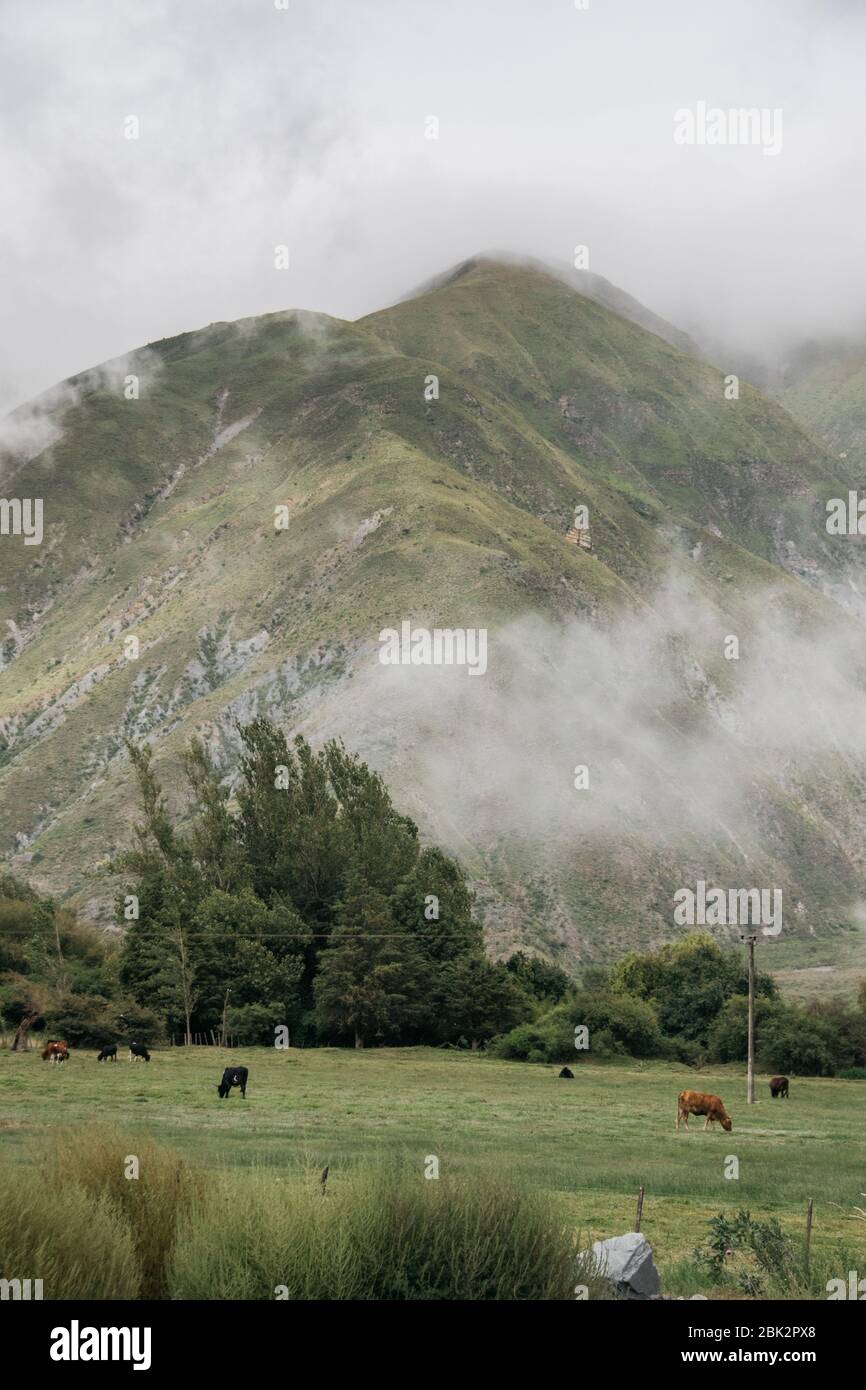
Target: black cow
(779,1087)
(233,1076)
(137,1051)
(108,1053)
(567,1073)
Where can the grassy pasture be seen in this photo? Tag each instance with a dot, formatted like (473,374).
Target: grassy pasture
(590,1143)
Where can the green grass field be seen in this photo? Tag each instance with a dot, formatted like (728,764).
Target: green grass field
(590,1143)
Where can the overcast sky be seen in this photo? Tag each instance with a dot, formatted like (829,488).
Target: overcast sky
(305,126)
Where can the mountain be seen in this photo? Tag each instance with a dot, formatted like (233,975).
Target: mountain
(825,389)
(706,519)
(586,282)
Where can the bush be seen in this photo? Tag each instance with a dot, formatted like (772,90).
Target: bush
(618,1026)
(683,1050)
(528,1042)
(753,1255)
(619,1023)
(253,1024)
(374,1236)
(82,1019)
(845,1030)
(538,978)
(728,1038)
(137,1024)
(853,1074)
(89,1020)
(790,1040)
(688,983)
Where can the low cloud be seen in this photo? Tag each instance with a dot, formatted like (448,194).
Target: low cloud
(31,429)
(680,745)
(307,127)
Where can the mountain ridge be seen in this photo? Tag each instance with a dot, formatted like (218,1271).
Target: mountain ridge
(453,512)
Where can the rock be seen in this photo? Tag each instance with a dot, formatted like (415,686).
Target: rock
(627,1262)
(567,1073)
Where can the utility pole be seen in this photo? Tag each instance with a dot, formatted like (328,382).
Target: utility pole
(750,1074)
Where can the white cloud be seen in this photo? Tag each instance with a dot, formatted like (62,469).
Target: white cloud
(260,127)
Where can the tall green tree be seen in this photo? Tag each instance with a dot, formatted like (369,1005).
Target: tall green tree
(373,981)
(539,978)
(277,907)
(479,999)
(687,982)
(157,964)
(432,902)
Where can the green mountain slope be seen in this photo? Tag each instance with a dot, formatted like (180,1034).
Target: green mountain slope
(826,392)
(451,512)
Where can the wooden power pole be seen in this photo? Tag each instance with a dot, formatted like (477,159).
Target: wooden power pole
(750,1074)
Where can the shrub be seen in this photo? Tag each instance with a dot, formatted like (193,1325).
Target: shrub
(790,1040)
(845,1030)
(618,1026)
(687,982)
(540,980)
(138,1024)
(728,1037)
(82,1019)
(750,1253)
(690,1054)
(528,1042)
(253,1024)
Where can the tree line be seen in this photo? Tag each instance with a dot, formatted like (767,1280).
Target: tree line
(297,904)
(688,1002)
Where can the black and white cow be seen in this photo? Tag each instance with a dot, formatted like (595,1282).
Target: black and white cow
(137,1052)
(108,1053)
(233,1076)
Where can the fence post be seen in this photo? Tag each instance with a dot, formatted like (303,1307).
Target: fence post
(809,1229)
(639,1209)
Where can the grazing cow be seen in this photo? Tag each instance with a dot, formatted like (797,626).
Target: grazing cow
(233,1076)
(779,1087)
(108,1053)
(137,1052)
(56,1051)
(567,1073)
(699,1103)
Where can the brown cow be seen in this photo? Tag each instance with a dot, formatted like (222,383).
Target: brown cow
(56,1051)
(699,1103)
(779,1087)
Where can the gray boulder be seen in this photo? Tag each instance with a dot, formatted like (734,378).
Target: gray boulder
(627,1263)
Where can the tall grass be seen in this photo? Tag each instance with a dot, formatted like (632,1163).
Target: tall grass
(77,1244)
(77,1199)
(376,1235)
(78,1222)
(98,1160)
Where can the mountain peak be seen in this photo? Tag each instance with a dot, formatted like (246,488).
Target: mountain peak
(583,282)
